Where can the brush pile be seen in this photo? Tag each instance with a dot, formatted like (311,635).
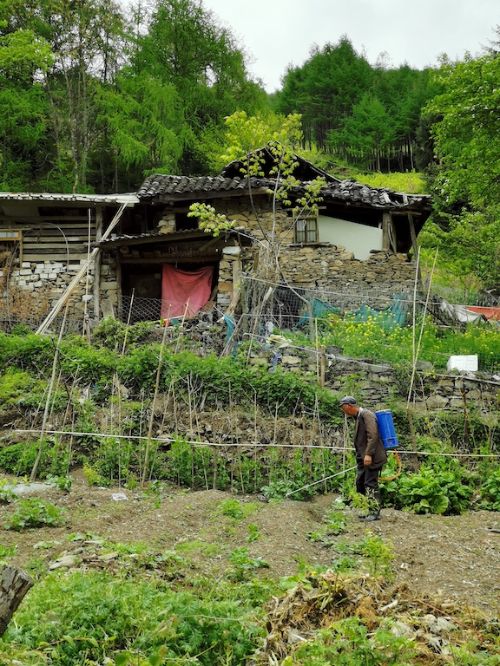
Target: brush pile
(324,608)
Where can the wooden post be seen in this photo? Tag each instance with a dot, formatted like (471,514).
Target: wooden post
(14,584)
(393,235)
(414,245)
(386,223)
(322,365)
(97,265)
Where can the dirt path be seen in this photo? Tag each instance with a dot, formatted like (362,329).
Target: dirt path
(452,557)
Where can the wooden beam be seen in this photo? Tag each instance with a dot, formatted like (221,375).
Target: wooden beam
(413,235)
(40,218)
(53,256)
(14,584)
(83,269)
(197,259)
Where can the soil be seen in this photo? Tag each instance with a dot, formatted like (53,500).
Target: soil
(451,558)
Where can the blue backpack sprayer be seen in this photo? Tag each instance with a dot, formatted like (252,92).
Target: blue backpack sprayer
(387,433)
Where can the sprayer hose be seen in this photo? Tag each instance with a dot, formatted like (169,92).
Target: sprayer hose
(397,473)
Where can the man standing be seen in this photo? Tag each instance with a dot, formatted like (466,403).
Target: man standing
(370,454)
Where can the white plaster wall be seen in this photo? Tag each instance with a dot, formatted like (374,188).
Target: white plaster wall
(357,238)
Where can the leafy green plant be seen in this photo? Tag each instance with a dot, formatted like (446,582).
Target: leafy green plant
(92,476)
(94,617)
(6,552)
(348,643)
(335,523)
(64,483)
(235,509)
(6,494)
(442,488)
(244,564)
(379,555)
(282,488)
(32,512)
(19,458)
(253,533)
(490,491)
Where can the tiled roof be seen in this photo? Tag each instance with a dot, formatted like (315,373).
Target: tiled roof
(350,191)
(166,188)
(148,237)
(172,186)
(69,198)
(304,169)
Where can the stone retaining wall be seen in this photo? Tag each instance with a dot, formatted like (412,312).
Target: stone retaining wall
(374,385)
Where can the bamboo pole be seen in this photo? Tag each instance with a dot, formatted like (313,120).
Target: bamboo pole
(419,343)
(151,416)
(50,390)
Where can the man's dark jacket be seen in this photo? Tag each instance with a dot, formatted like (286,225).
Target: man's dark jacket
(367,441)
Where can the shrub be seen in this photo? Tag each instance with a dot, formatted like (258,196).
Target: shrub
(490,490)
(111,333)
(29,352)
(18,388)
(90,364)
(19,458)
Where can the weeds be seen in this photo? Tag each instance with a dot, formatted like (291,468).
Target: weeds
(335,523)
(237,510)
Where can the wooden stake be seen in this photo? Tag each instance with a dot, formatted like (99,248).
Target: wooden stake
(417,350)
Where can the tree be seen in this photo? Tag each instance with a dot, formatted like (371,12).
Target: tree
(24,57)
(184,47)
(83,38)
(325,89)
(368,131)
(466,177)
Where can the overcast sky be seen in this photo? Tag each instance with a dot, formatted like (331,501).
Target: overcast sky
(276,33)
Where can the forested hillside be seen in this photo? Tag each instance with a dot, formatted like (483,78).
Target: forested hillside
(370,116)
(93,97)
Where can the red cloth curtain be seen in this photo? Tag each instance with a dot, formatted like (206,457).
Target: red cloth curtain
(184,293)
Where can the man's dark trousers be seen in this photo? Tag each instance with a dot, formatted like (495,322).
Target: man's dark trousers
(367,484)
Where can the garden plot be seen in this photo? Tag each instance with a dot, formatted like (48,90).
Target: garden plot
(450,557)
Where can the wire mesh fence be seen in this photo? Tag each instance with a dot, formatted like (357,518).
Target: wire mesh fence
(287,307)
(133,309)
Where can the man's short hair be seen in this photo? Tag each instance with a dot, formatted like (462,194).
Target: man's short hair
(348,400)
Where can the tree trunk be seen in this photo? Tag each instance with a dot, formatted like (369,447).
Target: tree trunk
(14,584)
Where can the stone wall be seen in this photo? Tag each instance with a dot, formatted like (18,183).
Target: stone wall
(35,287)
(332,268)
(322,266)
(375,385)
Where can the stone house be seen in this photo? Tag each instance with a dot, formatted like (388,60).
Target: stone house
(145,244)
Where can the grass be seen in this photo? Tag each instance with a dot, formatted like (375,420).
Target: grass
(410,182)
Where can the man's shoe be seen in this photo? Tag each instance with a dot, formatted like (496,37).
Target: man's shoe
(370,518)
